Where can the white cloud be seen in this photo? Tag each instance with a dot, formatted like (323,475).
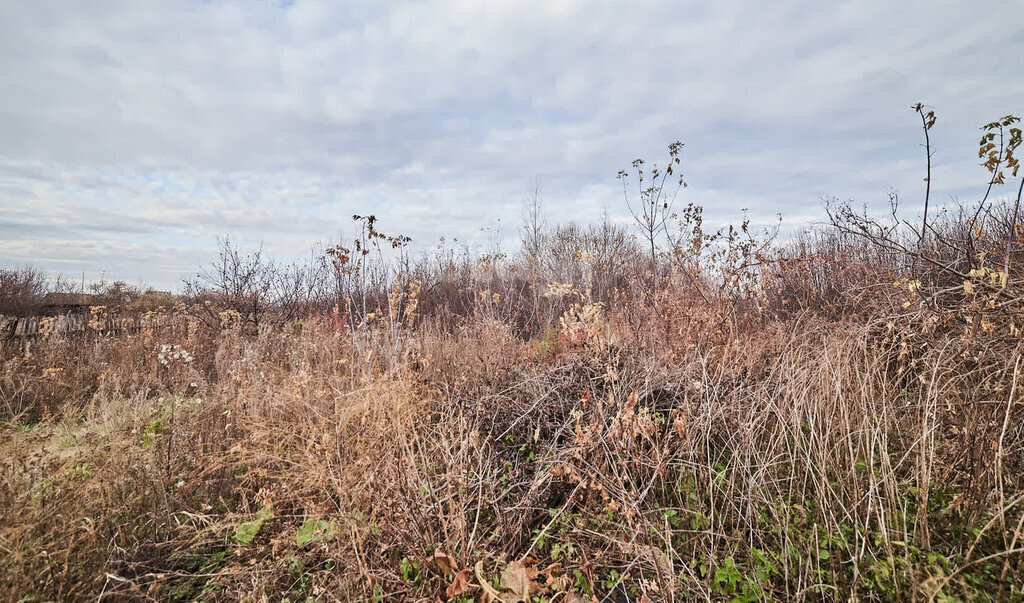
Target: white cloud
(133,133)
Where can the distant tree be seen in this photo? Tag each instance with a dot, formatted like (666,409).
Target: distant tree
(533,229)
(117,294)
(21,290)
(236,280)
(655,196)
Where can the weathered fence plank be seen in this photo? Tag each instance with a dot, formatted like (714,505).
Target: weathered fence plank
(77,324)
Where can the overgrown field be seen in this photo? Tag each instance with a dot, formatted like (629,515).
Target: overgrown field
(723,417)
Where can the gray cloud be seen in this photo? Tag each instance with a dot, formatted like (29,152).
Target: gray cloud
(133,133)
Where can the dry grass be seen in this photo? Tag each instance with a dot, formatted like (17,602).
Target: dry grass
(805,438)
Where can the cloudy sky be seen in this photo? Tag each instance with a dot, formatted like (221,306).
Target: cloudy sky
(134,133)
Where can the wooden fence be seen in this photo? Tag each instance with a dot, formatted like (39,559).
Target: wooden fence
(78,324)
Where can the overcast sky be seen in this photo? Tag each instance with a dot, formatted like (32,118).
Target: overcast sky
(133,134)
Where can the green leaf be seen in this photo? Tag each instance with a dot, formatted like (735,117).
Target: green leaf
(246,531)
(315,530)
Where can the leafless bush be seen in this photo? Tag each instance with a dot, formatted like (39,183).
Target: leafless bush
(21,291)
(237,280)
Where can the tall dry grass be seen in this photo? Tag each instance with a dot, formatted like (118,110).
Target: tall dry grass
(743,423)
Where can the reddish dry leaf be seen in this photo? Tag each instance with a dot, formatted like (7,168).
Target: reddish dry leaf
(459,585)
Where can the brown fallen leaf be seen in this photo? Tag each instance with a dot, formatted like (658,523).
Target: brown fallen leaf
(520,577)
(444,562)
(459,585)
(556,578)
